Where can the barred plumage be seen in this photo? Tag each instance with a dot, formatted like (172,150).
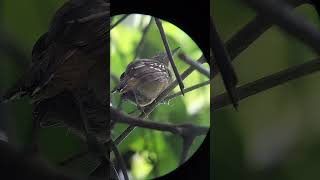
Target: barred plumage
(144,79)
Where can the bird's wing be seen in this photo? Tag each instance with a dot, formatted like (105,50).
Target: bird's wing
(142,71)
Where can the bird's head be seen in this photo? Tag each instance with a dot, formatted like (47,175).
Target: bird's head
(163,57)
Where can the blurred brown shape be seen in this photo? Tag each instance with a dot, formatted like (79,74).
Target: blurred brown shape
(70,57)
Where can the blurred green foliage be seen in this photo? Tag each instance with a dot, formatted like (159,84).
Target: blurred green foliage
(274,134)
(164,149)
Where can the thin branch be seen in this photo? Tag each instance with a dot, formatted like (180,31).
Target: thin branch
(166,45)
(103,170)
(183,129)
(164,93)
(249,33)
(120,160)
(196,65)
(119,21)
(192,88)
(72,158)
(160,98)
(187,131)
(280,13)
(268,82)
(223,62)
(144,35)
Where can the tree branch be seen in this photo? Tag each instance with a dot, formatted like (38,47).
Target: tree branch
(268,82)
(166,45)
(197,86)
(280,13)
(195,65)
(223,63)
(119,21)
(249,33)
(120,160)
(183,129)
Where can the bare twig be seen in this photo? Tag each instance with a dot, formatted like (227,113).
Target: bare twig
(187,131)
(103,171)
(196,65)
(120,160)
(119,21)
(144,34)
(197,86)
(223,63)
(268,82)
(183,129)
(166,45)
(164,93)
(249,33)
(72,158)
(280,13)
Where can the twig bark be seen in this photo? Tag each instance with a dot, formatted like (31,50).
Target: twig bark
(249,33)
(268,82)
(280,13)
(119,21)
(166,45)
(183,129)
(120,160)
(192,88)
(223,63)
(194,64)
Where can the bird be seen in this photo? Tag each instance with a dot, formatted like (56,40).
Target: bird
(144,79)
(67,77)
(70,56)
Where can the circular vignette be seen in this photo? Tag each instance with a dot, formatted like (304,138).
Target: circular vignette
(126,35)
